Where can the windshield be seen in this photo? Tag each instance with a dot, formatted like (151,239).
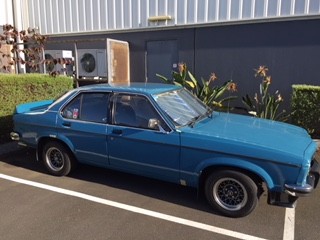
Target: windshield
(181,106)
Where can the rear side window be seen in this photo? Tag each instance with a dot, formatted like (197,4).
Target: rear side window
(90,107)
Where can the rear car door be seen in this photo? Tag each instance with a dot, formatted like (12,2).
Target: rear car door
(82,124)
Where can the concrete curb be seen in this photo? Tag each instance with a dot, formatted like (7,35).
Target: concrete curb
(8,147)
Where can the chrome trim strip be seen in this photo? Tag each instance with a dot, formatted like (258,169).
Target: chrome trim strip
(296,190)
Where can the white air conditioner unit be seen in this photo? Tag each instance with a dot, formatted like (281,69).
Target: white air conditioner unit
(92,63)
(63,69)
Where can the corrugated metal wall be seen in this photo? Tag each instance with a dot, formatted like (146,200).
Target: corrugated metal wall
(76,16)
(6,13)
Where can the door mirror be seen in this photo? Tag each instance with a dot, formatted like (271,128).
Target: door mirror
(154,124)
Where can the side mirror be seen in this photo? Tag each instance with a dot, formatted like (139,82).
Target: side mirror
(154,124)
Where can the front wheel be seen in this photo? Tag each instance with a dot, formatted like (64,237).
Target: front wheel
(57,159)
(231,193)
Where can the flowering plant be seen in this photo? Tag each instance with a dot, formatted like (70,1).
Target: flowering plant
(265,105)
(204,90)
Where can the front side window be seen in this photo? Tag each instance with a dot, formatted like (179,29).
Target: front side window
(181,106)
(91,107)
(136,111)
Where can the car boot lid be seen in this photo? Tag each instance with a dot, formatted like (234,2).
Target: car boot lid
(33,106)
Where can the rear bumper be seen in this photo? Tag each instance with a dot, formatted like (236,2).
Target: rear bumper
(15,136)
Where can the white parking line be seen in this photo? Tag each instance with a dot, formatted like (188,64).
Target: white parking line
(130,208)
(289,221)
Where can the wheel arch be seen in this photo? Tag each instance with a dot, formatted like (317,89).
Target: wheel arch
(43,140)
(256,173)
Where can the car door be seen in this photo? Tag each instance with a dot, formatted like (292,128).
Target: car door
(82,124)
(138,146)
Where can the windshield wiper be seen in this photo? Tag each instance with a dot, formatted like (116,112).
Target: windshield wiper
(194,120)
(209,113)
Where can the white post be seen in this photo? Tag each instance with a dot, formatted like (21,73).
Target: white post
(18,24)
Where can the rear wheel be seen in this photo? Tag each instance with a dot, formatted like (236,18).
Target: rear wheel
(231,193)
(57,159)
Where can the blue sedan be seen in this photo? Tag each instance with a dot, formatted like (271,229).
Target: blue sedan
(162,131)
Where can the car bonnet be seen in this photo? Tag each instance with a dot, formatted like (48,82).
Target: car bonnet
(253,137)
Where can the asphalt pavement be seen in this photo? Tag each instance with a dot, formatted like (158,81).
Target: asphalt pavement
(123,201)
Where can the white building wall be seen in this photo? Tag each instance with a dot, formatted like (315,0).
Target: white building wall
(77,16)
(6,13)
(13,12)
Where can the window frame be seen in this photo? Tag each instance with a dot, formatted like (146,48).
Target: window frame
(167,128)
(81,95)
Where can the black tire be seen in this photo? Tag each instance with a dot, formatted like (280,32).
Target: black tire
(231,193)
(57,159)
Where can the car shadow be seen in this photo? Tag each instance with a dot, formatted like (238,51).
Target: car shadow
(164,191)
(5,129)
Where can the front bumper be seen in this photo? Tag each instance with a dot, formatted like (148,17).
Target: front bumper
(292,192)
(312,182)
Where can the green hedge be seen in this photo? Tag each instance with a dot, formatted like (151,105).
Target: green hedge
(21,88)
(306,108)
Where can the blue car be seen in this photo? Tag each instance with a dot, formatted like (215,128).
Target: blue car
(162,131)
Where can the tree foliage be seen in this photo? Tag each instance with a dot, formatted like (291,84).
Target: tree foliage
(27,48)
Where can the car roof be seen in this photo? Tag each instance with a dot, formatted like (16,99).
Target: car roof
(149,88)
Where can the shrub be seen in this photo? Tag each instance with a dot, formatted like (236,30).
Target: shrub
(305,106)
(210,95)
(16,89)
(264,104)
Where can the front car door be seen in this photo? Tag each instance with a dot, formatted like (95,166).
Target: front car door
(136,145)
